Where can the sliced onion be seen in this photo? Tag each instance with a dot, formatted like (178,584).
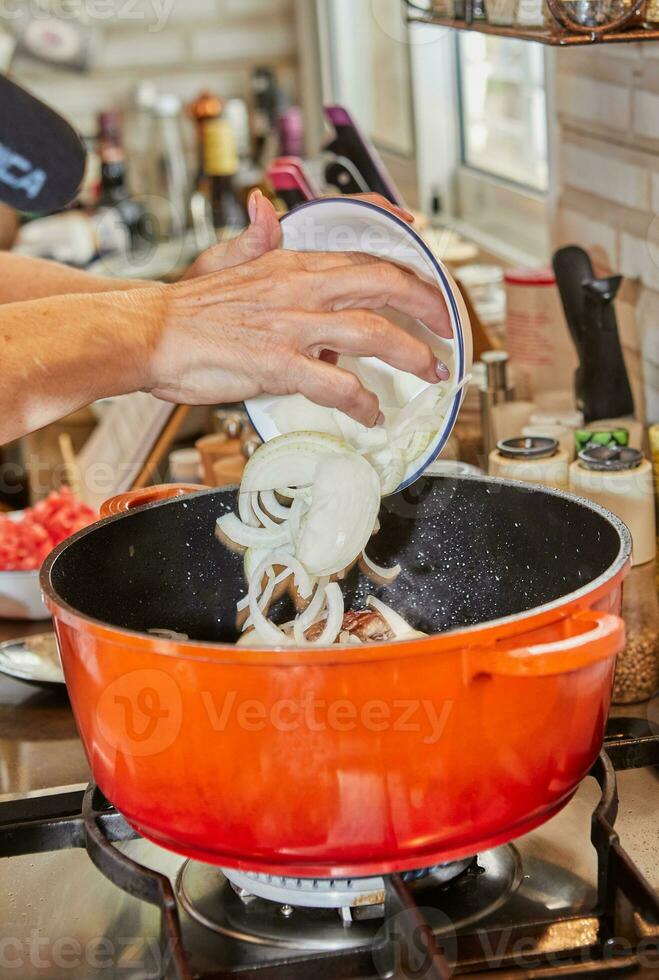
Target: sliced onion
(399,627)
(387,575)
(264,519)
(304,581)
(335,613)
(245,509)
(272,505)
(339,522)
(252,537)
(290,460)
(268,595)
(266,631)
(253,558)
(312,613)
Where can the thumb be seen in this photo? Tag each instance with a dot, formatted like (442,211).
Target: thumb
(262,235)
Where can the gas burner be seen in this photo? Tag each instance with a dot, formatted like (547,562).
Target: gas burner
(301,914)
(336,893)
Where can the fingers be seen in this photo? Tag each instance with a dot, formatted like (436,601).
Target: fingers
(379,284)
(263,235)
(361,333)
(382,202)
(333,387)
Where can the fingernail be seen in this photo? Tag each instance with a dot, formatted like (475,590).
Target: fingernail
(407,215)
(253,205)
(443,372)
(380,420)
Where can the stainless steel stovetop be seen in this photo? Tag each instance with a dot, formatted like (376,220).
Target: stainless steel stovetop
(535,907)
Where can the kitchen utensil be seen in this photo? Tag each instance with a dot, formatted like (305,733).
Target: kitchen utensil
(354,761)
(42,158)
(344,175)
(340,224)
(620,479)
(602,383)
(33,660)
(531,459)
(351,142)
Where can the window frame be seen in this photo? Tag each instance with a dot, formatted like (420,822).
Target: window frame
(509,221)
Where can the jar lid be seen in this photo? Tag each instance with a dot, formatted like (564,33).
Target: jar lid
(611,459)
(528,447)
(530,277)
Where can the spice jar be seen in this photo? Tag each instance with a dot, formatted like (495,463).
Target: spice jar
(531,459)
(620,479)
(637,670)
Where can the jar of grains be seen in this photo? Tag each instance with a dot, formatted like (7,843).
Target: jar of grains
(637,671)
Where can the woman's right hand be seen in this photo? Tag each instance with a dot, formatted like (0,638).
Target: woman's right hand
(262,326)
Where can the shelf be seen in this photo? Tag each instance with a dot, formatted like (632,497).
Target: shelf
(556,37)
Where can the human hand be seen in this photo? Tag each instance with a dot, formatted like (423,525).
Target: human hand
(263,235)
(261,326)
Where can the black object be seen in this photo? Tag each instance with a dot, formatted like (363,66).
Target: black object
(343,174)
(351,142)
(71,820)
(42,158)
(602,384)
(471,550)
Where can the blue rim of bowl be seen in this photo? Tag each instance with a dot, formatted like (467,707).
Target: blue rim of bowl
(449,297)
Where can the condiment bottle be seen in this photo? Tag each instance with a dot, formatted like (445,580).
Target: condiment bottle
(620,479)
(637,669)
(496,390)
(531,459)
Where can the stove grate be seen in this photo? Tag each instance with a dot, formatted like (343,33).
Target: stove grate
(26,829)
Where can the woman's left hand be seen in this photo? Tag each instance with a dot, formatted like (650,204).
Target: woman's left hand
(264,235)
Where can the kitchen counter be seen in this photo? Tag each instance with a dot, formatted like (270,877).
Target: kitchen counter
(39,744)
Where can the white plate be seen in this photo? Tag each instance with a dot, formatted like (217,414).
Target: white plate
(34,659)
(344,225)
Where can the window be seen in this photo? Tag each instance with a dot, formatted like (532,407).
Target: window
(503,115)
(370,69)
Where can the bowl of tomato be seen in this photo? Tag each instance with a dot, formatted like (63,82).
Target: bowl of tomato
(26,539)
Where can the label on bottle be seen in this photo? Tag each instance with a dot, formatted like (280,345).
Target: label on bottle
(219,146)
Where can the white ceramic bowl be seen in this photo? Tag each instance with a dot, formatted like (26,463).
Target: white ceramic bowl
(345,225)
(20,592)
(20,596)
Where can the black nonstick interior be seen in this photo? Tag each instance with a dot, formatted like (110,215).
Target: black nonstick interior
(472,550)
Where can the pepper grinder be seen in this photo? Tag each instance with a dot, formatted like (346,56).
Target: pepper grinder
(496,390)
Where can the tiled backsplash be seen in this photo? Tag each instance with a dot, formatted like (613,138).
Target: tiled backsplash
(180,45)
(607,193)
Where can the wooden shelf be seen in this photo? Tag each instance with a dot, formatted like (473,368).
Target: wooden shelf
(557,37)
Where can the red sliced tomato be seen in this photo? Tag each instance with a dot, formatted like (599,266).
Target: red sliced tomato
(26,543)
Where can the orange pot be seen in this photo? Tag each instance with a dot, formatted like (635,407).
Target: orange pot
(357,761)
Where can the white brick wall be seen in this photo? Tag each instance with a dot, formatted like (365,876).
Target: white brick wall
(182,45)
(607,193)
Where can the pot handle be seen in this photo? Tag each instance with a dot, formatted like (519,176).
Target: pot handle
(578,648)
(124,502)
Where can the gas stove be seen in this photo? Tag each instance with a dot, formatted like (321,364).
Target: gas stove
(83,897)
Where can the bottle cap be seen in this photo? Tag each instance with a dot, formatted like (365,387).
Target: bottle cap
(528,447)
(610,459)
